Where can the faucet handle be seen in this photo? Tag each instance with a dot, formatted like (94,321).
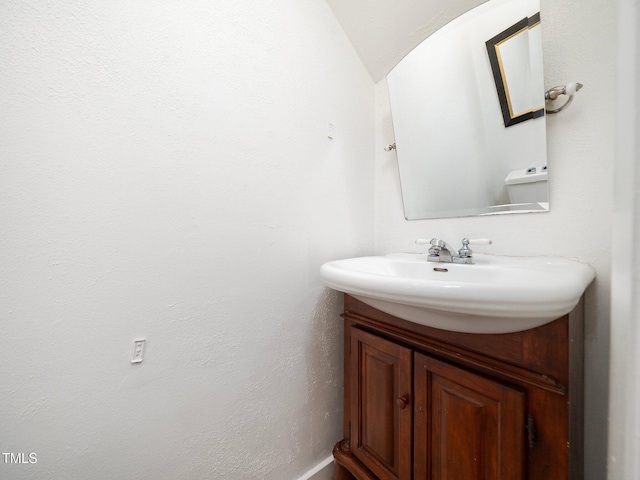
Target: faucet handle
(465,251)
(436,245)
(424,241)
(465,255)
(434,249)
(477,241)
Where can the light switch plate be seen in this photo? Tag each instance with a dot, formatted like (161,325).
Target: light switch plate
(138,351)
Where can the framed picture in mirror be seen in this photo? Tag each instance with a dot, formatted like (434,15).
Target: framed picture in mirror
(516,70)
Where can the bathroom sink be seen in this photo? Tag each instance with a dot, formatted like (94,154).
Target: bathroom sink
(496,294)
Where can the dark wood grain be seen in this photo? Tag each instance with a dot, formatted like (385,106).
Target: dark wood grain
(381,430)
(349,467)
(472,425)
(476,392)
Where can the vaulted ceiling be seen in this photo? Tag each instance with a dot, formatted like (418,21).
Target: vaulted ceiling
(384,31)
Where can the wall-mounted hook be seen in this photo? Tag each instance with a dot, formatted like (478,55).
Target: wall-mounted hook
(570,89)
(388,148)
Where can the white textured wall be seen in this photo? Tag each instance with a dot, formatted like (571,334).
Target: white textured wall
(578,41)
(624,415)
(165,173)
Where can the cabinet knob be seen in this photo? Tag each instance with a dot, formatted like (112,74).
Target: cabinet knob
(402,402)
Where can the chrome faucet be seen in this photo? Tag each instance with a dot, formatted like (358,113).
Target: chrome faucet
(439,251)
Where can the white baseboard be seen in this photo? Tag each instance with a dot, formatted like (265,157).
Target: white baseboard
(322,471)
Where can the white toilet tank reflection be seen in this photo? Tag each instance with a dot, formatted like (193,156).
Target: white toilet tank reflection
(527,185)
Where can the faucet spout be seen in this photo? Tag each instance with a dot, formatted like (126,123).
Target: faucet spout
(440,252)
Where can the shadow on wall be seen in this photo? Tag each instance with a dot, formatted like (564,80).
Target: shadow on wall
(324,356)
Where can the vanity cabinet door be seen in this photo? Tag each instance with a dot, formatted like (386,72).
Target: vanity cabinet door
(466,426)
(381,405)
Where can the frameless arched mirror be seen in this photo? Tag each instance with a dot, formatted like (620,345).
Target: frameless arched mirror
(467,106)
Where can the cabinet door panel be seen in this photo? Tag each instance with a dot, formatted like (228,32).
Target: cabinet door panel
(381,383)
(466,426)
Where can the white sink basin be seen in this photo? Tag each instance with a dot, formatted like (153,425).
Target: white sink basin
(497,294)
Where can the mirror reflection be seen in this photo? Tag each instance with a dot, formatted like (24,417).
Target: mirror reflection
(516,63)
(458,153)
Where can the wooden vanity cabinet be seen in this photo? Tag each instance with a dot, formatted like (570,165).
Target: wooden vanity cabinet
(423,403)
